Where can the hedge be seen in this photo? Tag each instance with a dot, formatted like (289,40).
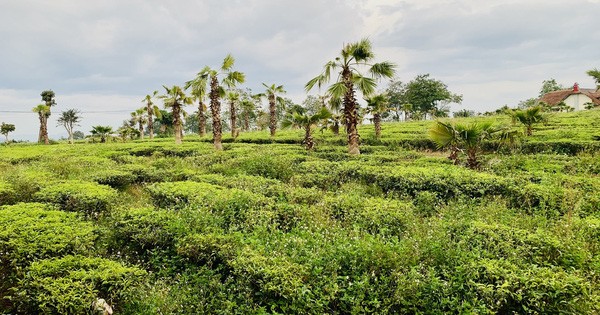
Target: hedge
(92,199)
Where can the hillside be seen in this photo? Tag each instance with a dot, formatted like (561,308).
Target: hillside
(265,227)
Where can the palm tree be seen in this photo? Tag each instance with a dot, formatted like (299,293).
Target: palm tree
(529,117)
(248,107)
(465,138)
(175,98)
(595,74)
(353,56)
(211,77)
(138,117)
(102,131)
(307,122)
(69,120)
(151,110)
(198,86)
(233,97)
(43,112)
(271,95)
(377,104)
(48,99)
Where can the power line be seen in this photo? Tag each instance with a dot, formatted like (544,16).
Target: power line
(82,112)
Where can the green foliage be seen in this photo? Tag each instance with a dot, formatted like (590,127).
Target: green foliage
(70,284)
(88,198)
(7,194)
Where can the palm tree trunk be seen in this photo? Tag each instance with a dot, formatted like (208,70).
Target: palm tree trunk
(529,130)
(273,117)
(309,143)
(150,122)
(215,108)
(454,155)
(201,120)
(377,123)
(472,158)
(246,121)
(351,114)
(45,129)
(233,118)
(141,128)
(336,127)
(41,133)
(176,123)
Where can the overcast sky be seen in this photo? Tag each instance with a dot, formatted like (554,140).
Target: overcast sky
(103,57)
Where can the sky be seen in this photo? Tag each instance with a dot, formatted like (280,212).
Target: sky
(103,57)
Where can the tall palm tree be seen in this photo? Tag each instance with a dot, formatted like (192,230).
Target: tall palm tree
(353,57)
(271,93)
(138,117)
(48,99)
(377,104)
(211,77)
(595,74)
(307,122)
(69,120)
(175,98)
(151,110)
(43,112)
(102,131)
(233,98)
(466,138)
(529,117)
(198,85)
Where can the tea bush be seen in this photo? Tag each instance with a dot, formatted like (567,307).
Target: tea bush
(70,284)
(7,194)
(89,198)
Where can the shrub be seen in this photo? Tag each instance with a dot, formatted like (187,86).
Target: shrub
(7,194)
(114,178)
(211,249)
(179,194)
(70,284)
(89,198)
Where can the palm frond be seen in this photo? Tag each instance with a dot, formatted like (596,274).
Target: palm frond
(227,63)
(384,69)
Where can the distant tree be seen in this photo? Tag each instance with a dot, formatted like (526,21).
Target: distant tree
(211,77)
(69,119)
(272,94)
(595,74)
(428,95)
(151,111)
(352,57)
(175,99)
(530,102)
(377,104)
(313,104)
(395,92)
(49,101)
(307,122)
(101,131)
(164,123)
(78,135)
(550,85)
(42,110)
(464,113)
(262,120)
(5,129)
(529,117)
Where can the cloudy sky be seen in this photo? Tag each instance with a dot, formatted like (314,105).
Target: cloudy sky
(103,57)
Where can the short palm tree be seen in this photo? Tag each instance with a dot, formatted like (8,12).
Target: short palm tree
(102,131)
(466,138)
(69,120)
(377,104)
(248,107)
(49,101)
(43,112)
(211,77)
(272,94)
(307,122)
(198,86)
(353,57)
(529,117)
(5,129)
(233,97)
(139,117)
(595,74)
(175,99)
(151,111)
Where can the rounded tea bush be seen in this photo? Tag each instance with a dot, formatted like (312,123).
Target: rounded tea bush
(85,197)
